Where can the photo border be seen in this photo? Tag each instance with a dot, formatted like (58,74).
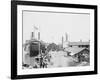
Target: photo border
(14,38)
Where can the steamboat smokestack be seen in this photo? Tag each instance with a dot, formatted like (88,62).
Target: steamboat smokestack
(62,41)
(38,35)
(66,37)
(32,37)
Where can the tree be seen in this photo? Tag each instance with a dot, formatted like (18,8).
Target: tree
(52,47)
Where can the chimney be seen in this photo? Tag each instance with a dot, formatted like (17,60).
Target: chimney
(32,37)
(66,37)
(62,41)
(80,40)
(38,35)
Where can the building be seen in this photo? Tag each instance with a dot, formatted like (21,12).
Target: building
(79,50)
(32,51)
(82,54)
(80,43)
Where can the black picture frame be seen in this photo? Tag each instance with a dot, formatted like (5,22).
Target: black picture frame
(14,38)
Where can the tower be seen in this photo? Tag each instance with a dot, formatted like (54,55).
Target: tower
(66,42)
(62,41)
(66,35)
(32,36)
(38,35)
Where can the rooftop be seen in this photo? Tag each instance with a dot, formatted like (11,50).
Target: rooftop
(79,43)
(74,50)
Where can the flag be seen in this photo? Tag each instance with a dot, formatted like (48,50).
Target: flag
(35,28)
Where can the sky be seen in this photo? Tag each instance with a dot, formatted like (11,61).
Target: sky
(53,26)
